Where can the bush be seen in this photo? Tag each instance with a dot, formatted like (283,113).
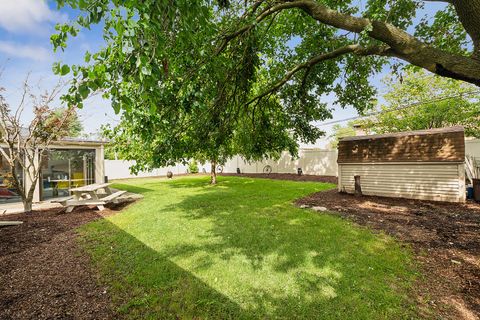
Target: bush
(193,167)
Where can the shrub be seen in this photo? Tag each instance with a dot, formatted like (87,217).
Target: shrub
(193,167)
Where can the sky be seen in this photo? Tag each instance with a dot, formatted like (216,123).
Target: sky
(25,49)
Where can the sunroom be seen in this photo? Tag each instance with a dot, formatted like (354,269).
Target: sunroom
(69,163)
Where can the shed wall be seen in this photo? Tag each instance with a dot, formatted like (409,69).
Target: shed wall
(425,181)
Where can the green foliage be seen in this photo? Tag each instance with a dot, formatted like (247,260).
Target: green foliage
(193,167)
(452,103)
(186,92)
(75,126)
(444,31)
(244,251)
(339,132)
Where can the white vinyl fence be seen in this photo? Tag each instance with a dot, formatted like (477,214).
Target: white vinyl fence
(311,161)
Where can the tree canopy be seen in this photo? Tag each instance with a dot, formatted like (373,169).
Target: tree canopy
(167,63)
(423,101)
(75,127)
(340,132)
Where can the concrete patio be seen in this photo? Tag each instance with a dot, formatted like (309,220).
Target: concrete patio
(17,207)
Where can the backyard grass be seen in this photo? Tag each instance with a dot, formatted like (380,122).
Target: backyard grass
(242,250)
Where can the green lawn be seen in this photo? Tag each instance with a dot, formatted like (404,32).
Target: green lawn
(242,250)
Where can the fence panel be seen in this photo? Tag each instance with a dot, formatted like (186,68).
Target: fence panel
(312,161)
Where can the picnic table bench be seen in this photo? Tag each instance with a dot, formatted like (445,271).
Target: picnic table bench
(98,194)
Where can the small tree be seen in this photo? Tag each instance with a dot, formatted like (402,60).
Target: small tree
(339,132)
(75,126)
(27,145)
(193,166)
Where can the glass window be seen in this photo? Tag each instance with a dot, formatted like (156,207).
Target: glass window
(66,169)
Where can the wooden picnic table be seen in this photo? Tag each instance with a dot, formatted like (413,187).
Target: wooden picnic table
(90,191)
(90,195)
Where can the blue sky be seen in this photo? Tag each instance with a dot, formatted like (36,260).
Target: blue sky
(25,29)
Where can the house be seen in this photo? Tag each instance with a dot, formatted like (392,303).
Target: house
(69,163)
(425,164)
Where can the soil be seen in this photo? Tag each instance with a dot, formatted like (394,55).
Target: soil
(445,238)
(44,274)
(286,176)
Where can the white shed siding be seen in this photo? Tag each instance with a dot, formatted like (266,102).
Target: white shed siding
(425,181)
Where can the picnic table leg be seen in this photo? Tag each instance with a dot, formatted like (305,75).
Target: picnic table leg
(101,207)
(76,196)
(69,209)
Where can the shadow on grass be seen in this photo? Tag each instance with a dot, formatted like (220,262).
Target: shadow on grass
(272,260)
(146,284)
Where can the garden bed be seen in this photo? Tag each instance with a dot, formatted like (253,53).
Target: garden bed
(44,274)
(444,236)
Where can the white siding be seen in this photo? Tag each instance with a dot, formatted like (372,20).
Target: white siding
(425,181)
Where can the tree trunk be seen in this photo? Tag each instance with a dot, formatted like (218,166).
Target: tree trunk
(28,199)
(213,173)
(27,205)
(469,12)
(396,42)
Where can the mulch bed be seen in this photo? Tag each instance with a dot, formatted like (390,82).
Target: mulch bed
(44,274)
(286,176)
(445,238)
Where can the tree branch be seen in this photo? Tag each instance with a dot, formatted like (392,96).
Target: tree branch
(446,1)
(402,45)
(353,48)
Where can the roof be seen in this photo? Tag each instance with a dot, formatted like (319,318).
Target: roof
(435,145)
(80,141)
(405,134)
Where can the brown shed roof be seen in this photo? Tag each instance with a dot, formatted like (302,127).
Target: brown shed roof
(435,145)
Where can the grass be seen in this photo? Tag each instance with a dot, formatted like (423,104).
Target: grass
(242,250)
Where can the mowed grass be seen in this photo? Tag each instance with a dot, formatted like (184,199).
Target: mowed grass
(242,250)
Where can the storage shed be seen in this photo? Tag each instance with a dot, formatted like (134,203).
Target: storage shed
(425,164)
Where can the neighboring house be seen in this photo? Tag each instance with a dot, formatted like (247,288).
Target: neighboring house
(69,163)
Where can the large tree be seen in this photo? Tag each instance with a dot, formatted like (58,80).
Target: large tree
(159,51)
(425,101)
(210,125)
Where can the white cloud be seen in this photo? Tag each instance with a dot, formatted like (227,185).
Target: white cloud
(22,16)
(14,50)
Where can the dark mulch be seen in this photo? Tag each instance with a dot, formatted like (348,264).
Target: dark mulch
(43,272)
(444,236)
(286,176)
